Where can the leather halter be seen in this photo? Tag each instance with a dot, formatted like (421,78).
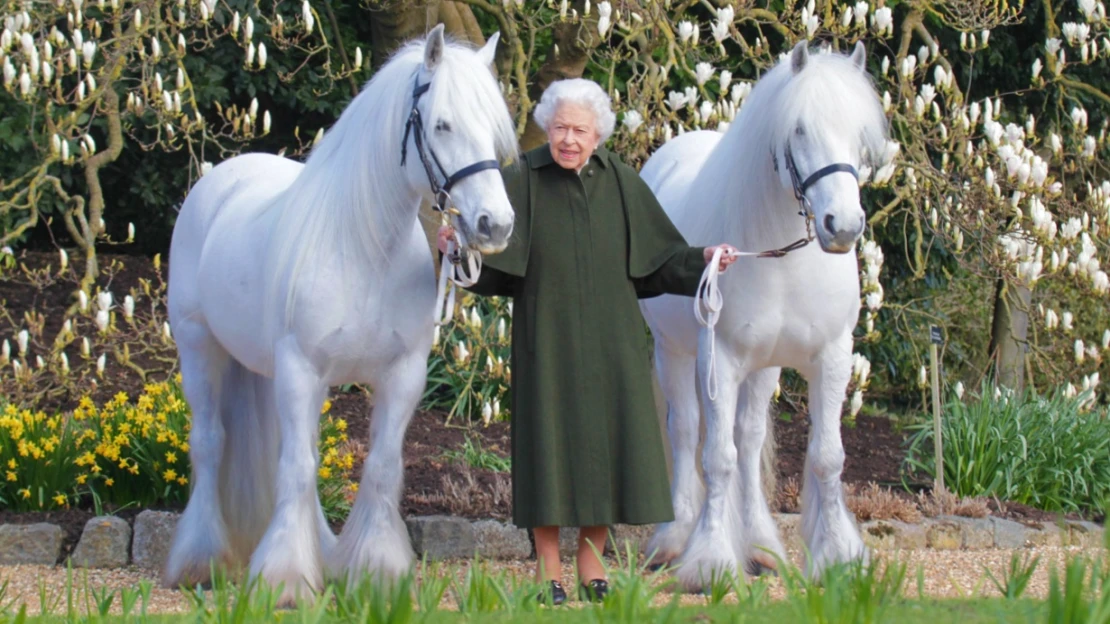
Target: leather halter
(800,188)
(442,192)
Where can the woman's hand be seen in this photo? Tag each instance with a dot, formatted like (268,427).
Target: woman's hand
(729,254)
(446,233)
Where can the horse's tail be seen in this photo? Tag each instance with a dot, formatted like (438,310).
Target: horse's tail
(249,466)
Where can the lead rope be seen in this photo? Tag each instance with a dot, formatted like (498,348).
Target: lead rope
(452,274)
(709,297)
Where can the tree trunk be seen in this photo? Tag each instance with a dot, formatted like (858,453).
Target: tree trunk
(1010,333)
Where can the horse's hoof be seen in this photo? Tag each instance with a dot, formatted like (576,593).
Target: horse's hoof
(755,568)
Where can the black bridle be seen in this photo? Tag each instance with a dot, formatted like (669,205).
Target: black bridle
(800,188)
(442,192)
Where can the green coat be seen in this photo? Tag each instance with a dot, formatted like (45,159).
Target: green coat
(586,444)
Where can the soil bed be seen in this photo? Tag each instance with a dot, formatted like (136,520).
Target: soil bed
(434,482)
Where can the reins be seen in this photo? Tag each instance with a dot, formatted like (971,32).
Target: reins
(709,294)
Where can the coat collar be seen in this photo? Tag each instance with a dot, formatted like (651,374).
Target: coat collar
(541,156)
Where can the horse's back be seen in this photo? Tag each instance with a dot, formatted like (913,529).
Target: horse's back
(236,188)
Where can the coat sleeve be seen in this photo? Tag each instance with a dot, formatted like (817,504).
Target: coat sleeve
(660,260)
(678,275)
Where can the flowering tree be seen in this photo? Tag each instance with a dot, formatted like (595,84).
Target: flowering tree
(993,193)
(87,80)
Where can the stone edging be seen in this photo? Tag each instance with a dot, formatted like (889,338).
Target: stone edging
(111,542)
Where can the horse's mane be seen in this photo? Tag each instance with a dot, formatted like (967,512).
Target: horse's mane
(351,199)
(831,98)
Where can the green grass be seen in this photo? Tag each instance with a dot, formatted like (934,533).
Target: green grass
(1079,592)
(473,455)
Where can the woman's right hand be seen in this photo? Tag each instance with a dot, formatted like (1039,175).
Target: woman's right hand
(446,233)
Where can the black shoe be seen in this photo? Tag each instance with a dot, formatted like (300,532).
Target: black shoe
(558,595)
(594,591)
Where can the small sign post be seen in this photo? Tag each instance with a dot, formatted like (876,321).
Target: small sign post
(936,339)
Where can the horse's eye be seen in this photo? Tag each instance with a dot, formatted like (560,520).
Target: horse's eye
(443,126)
(800,131)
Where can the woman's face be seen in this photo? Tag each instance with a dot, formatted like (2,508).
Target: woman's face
(573,135)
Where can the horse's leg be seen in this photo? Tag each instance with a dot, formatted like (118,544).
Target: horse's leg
(760,530)
(827,526)
(677,378)
(201,535)
(715,540)
(374,538)
(289,552)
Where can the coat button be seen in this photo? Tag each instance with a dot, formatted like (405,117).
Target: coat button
(590,172)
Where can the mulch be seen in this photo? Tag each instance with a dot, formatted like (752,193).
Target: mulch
(434,483)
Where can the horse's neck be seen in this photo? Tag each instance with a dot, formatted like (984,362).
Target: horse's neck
(759,221)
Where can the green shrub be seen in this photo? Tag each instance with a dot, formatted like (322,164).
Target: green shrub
(1046,452)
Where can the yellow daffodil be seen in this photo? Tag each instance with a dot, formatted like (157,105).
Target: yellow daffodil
(60,499)
(169,475)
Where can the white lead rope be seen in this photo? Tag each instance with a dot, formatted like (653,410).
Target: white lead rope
(709,297)
(452,274)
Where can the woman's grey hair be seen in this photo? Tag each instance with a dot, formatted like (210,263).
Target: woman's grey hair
(582,92)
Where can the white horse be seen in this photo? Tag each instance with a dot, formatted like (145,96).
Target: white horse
(286,279)
(809,112)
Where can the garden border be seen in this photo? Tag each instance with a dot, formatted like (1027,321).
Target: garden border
(112,542)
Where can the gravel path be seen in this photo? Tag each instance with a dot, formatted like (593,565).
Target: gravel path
(947,574)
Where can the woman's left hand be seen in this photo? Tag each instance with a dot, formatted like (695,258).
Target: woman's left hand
(729,254)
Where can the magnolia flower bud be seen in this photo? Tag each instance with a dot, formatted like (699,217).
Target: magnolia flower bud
(21,341)
(5,351)
(266,122)
(100,364)
(857,402)
(358,58)
(86,347)
(261,55)
(128,307)
(102,319)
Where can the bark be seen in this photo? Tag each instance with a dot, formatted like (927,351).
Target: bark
(1010,333)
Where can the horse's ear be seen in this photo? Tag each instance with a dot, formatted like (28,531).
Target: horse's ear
(433,49)
(799,56)
(488,51)
(859,56)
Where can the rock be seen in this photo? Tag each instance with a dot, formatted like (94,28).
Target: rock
(1048,535)
(1009,534)
(975,533)
(442,537)
(153,536)
(498,540)
(943,534)
(1082,533)
(105,543)
(790,531)
(911,536)
(36,544)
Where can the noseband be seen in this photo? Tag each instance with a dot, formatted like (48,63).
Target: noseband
(427,156)
(800,187)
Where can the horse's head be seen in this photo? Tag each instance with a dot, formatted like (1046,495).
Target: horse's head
(819,154)
(458,132)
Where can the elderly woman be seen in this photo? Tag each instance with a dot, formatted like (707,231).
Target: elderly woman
(589,240)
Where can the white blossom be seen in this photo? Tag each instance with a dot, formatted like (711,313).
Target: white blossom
(724,21)
(261,55)
(1080,352)
(703,72)
(604,10)
(685,31)
(633,120)
(959,390)
(100,364)
(857,402)
(859,11)
(308,17)
(725,80)
(882,20)
(21,341)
